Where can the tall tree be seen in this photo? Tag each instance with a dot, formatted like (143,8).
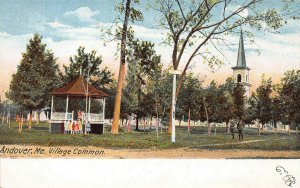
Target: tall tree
(160,86)
(262,102)
(226,105)
(143,64)
(186,97)
(210,104)
(239,101)
(36,75)
(289,90)
(133,14)
(192,24)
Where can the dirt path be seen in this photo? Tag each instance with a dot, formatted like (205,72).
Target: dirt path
(18,151)
(242,142)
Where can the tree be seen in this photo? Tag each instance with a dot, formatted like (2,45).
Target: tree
(261,102)
(186,97)
(289,90)
(193,24)
(210,104)
(36,75)
(160,86)
(239,101)
(133,14)
(143,65)
(226,107)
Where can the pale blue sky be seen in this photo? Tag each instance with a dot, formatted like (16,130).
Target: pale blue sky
(67,24)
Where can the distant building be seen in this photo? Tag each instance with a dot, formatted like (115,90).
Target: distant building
(241,71)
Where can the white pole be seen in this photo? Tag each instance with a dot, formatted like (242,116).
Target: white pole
(103,106)
(89,109)
(173,108)
(51,115)
(67,106)
(66,115)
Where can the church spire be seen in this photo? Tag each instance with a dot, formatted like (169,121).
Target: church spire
(241,60)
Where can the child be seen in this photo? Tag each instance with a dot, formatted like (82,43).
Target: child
(80,126)
(76,128)
(73,128)
(88,127)
(70,127)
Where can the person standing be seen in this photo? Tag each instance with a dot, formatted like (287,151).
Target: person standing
(80,126)
(88,127)
(240,127)
(232,124)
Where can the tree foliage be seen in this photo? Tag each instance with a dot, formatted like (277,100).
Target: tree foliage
(143,67)
(193,24)
(289,90)
(88,65)
(36,75)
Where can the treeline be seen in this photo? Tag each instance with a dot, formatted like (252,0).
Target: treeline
(148,87)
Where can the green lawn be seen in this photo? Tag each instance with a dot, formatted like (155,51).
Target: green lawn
(39,135)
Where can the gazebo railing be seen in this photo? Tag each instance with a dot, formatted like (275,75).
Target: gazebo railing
(61,116)
(93,117)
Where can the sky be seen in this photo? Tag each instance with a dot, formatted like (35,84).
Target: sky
(67,24)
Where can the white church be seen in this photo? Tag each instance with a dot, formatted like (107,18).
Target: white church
(241,71)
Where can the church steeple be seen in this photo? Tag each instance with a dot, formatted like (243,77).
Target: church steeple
(241,59)
(241,71)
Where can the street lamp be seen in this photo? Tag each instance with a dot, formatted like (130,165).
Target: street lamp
(174,72)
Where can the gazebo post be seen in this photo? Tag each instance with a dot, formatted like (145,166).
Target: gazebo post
(89,109)
(103,106)
(51,111)
(66,115)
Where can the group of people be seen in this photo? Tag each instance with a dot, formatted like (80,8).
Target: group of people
(76,127)
(240,126)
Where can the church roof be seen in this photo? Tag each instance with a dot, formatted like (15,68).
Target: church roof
(78,88)
(241,59)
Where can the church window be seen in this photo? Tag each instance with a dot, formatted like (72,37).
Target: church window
(239,78)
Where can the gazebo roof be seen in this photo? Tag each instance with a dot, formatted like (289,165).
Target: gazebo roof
(78,88)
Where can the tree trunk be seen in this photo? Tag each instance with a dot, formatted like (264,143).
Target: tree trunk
(227,126)
(208,128)
(144,123)
(126,121)
(37,119)
(137,122)
(30,119)
(150,121)
(116,117)
(157,119)
(207,119)
(189,121)
(129,124)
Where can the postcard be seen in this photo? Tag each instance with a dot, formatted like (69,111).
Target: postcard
(172,93)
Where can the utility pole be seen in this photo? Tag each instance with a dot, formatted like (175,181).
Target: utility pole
(174,72)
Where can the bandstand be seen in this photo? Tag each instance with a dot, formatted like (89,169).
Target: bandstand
(78,88)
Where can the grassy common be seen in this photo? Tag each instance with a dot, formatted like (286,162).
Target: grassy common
(197,139)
